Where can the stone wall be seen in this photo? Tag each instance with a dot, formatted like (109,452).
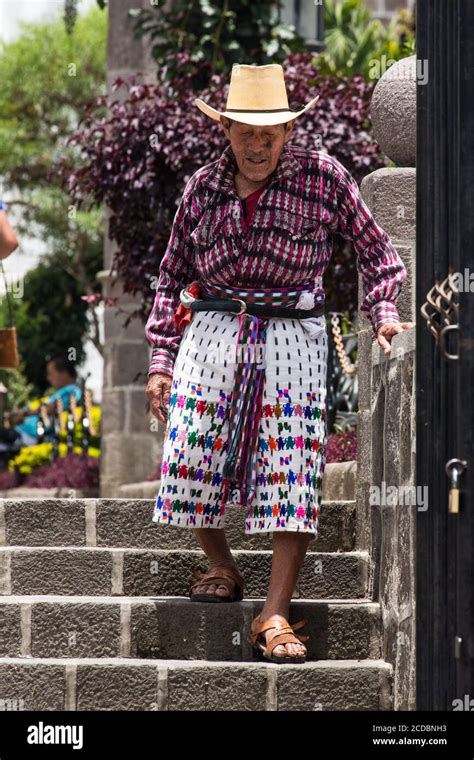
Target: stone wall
(386,417)
(385,10)
(131,437)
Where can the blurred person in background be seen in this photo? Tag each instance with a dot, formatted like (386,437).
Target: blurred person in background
(61,374)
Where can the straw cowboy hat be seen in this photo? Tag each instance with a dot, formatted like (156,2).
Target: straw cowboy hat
(257,95)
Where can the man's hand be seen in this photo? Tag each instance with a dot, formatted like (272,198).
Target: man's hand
(386,332)
(158,392)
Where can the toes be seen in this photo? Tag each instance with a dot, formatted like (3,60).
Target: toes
(212,588)
(289,649)
(222,591)
(203,588)
(297,649)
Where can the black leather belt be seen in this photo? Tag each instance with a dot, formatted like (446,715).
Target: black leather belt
(238,306)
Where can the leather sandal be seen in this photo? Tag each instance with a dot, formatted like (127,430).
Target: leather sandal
(284,634)
(221,576)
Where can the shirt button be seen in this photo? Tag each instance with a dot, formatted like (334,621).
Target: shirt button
(236,214)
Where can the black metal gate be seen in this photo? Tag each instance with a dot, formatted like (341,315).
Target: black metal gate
(445,354)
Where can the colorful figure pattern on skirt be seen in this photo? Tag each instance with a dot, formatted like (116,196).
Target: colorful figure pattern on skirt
(292,436)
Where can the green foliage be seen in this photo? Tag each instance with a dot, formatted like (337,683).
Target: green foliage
(70,15)
(50,318)
(356,43)
(345,421)
(218,32)
(49,79)
(20,390)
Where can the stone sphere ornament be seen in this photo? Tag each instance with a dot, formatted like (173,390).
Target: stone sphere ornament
(393,111)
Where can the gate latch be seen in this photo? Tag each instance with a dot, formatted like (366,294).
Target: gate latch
(454,468)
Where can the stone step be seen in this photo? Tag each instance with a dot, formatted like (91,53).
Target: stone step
(128,523)
(97,571)
(176,628)
(94,684)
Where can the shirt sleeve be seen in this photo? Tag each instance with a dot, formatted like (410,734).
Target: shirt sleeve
(383,271)
(176,271)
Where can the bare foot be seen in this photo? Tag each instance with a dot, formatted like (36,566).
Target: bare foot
(214,589)
(288,648)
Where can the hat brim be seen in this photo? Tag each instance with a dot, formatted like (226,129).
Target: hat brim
(259,118)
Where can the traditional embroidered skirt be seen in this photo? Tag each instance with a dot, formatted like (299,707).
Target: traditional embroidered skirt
(292,434)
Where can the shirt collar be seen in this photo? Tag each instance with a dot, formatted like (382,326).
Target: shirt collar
(221,176)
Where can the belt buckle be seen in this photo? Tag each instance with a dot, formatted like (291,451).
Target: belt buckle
(186,298)
(243,306)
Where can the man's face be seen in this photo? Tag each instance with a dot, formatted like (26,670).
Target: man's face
(256,149)
(55,379)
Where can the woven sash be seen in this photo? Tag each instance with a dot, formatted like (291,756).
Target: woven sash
(240,469)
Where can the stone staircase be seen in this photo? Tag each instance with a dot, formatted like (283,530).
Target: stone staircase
(94,615)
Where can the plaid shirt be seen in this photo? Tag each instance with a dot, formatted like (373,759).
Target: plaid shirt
(288,242)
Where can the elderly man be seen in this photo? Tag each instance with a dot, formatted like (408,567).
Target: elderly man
(238,332)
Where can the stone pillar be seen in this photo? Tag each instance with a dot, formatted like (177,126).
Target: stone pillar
(131,439)
(386,417)
(386,10)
